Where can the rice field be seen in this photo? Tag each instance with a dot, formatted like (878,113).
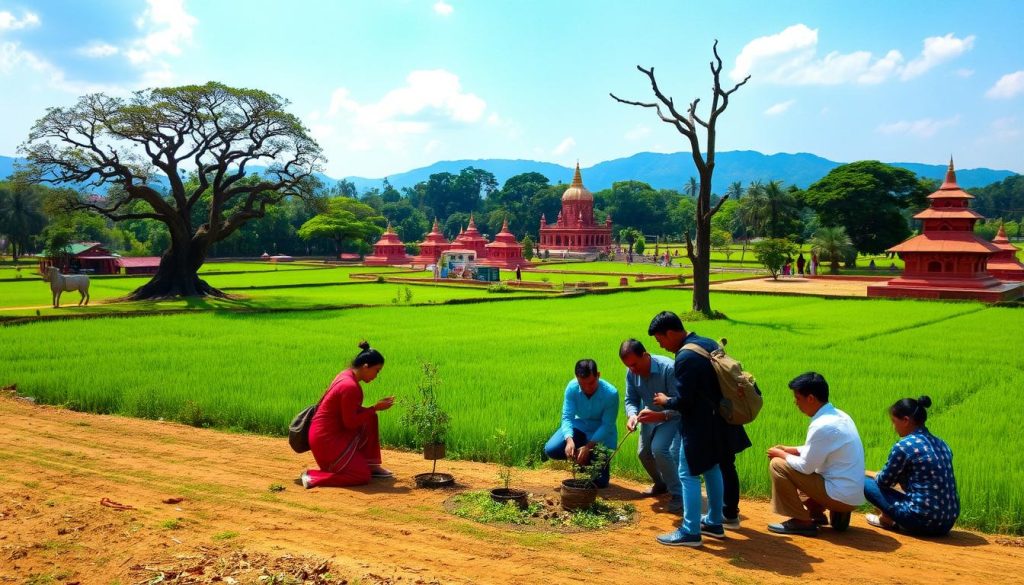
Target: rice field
(505,365)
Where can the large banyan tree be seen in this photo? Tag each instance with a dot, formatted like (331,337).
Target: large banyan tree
(181,156)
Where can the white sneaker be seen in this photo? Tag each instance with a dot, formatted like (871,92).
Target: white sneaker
(307,482)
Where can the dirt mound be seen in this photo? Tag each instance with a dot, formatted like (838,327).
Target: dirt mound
(186,505)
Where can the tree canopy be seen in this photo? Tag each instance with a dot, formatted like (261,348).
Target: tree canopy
(143,148)
(346,222)
(868,198)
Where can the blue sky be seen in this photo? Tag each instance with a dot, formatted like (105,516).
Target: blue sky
(391,85)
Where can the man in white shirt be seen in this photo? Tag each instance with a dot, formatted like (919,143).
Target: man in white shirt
(828,469)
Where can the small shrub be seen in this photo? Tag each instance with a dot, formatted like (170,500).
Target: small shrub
(226,535)
(276,488)
(173,524)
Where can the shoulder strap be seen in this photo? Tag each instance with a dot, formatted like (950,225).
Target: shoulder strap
(697,350)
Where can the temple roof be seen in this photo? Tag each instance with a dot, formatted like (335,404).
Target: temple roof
(956,242)
(961,213)
(576,191)
(949,188)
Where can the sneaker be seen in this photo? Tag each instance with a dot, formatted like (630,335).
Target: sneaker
(307,482)
(820,518)
(677,538)
(654,490)
(840,521)
(675,505)
(793,527)
(874,520)
(712,530)
(731,523)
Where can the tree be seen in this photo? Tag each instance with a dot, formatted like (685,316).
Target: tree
(528,245)
(21,215)
(721,241)
(137,143)
(346,222)
(630,236)
(688,125)
(772,254)
(640,245)
(867,198)
(833,245)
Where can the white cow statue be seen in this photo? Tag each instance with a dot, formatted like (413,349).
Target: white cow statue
(60,283)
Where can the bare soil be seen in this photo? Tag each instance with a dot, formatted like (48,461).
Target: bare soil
(798,285)
(187,505)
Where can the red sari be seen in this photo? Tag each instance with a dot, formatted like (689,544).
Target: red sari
(343,436)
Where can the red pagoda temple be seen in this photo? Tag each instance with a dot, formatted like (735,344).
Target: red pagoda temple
(575,230)
(947,261)
(432,246)
(1004,264)
(389,250)
(470,239)
(505,251)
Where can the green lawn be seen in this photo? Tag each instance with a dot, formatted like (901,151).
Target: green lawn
(505,365)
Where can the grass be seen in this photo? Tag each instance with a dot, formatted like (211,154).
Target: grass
(253,372)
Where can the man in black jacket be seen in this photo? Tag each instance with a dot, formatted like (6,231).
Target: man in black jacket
(707,440)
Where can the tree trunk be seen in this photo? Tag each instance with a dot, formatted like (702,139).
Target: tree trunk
(700,255)
(178,274)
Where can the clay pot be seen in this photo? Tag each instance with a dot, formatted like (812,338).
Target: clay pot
(434,480)
(433,451)
(502,495)
(577,494)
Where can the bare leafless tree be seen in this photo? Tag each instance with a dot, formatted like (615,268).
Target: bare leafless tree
(689,125)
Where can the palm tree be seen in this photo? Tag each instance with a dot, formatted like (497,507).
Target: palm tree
(735,190)
(753,213)
(781,204)
(833,244)
(20,216)
(692,187)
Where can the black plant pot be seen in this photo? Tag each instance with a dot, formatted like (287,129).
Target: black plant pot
(577,494)
(502,495)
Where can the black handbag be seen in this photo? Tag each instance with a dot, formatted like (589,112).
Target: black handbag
(298,430)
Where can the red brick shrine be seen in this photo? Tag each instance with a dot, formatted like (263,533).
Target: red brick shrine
(432,246)
(947,260)
(470,239)
(1004,264)
(575,230)
(505,251)
(388,250)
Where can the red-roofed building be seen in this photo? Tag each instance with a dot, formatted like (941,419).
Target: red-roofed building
(505,251)
(432,246)
(140,264)
(574,230)
(471,239)
(1004,264)
(389,250)
(85,257)
(947,260)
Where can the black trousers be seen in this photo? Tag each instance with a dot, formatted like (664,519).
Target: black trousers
(731,482)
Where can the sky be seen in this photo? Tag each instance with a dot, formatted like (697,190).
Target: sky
(386,86)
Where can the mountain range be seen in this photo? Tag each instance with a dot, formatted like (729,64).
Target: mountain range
(661,171)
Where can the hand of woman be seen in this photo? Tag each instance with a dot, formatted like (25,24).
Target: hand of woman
(660,399)
(384,403)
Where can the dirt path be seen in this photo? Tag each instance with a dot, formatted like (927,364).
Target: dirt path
(801,286)
(56,466)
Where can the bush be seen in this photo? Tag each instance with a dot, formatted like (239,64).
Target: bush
(772,254)
(425,417)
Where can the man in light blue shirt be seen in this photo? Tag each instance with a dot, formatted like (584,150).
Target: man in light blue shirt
(589,410)
(658,448)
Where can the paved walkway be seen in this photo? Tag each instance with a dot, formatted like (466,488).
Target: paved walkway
(822,285)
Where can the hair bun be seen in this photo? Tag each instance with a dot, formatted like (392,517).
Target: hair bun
(924,401)
(364,345)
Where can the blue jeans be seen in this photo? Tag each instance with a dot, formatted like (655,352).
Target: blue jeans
(555,449)
(887,500)
(691,496)
(658,451)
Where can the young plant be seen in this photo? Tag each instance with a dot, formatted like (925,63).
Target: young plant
(503,455)
(428,421)
(588,474)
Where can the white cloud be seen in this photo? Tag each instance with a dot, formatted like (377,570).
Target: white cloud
(937,50)
(565,146)
(404,119)
(167,25)
(964,72)
(637,133)
(1006,129)
(98,50)
(443,8)
(10,22)
(791,58)
(1008,86)
(924,128)
(779,108)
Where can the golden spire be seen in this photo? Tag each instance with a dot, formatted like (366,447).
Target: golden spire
(577,179)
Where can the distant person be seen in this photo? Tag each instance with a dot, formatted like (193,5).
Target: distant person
(871,264)
(892,267)
(589,410)
(786,268)
(814,264)
(519,273)
(922,465)
(828,468)
(658,445)
(343,436)
(708,441)
(800,263)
